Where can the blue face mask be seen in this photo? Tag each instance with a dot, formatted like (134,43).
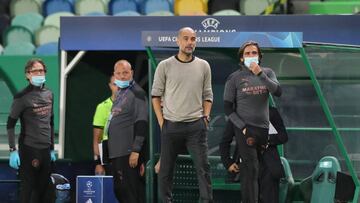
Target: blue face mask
(38,80)
(249,60)
(122,83)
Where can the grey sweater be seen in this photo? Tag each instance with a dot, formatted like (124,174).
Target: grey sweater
(183,86)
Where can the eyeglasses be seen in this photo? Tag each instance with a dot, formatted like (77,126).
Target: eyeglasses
(38,71)
(250,52)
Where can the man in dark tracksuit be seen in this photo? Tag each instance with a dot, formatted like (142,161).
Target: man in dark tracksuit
(271,169)
(127,130)
(246,98)
(34,106)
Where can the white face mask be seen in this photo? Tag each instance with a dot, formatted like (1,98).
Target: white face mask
(249,60)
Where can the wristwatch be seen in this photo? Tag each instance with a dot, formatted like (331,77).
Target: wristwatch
(207,118)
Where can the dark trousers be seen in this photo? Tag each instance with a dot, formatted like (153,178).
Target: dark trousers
(249,168)
(193,136)
(35,172)
(129,186)
(269,185)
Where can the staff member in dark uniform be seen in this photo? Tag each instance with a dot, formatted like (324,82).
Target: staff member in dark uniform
(34,106)
(127,129)
(246,98)
(271,170)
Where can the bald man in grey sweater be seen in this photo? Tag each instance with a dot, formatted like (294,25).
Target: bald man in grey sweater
(184,83)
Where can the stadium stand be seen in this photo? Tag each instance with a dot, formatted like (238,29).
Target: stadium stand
(31,21)
(128,13)
(56,6)
(18,7)
(54,19)
(119,6)
(16,34)
(334,7)
(50,48)
(152,6)
(190,7)
(20,48)
(47,34)
(219,5)
(4,6)
(160,13)
(227,12)
(83,7)
(4,23)
(253,7)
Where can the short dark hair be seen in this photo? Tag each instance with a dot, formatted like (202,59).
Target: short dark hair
(246,44)
(31,63)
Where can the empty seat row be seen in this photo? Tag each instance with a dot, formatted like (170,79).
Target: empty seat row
(15,34)
(27,48)
(112,7)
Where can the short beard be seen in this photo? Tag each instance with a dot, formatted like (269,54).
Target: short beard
(187,53)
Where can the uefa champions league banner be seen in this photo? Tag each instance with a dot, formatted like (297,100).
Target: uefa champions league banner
(225,39)
(125,32)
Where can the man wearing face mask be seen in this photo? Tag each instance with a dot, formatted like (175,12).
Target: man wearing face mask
(34,107)
(127,129)
(246,98)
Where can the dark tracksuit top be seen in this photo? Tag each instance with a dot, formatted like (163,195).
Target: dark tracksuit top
(34,106)
(249,94)
(129,123)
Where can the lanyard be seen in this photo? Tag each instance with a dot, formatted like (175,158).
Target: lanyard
(121,98)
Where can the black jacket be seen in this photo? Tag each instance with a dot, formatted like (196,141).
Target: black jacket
(269,155)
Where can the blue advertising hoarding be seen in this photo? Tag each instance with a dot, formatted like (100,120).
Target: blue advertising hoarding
(125,32)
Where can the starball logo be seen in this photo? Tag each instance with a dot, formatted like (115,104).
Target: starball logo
(89,184)
(212,25)
(210,22)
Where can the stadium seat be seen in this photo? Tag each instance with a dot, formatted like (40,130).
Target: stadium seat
(227,12)
(160,13)
(18,7)
(95,13)
(20,48)
(324,180)
(50,48)
(54,19)
(152,6)
(190,7)
(55,6)
(4,23)
(117,6)
(4,6)
(128,13)
(287,182)
(219,5)
(47,34)
(32,21)
(16,34)
(253,7)
(83,7)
